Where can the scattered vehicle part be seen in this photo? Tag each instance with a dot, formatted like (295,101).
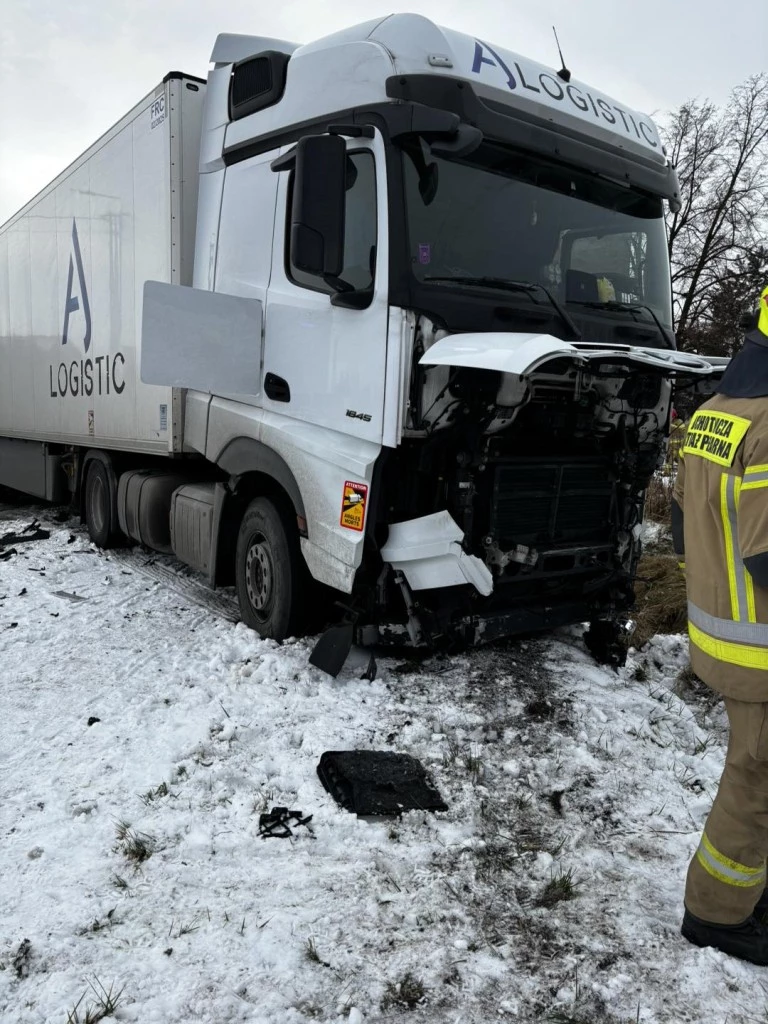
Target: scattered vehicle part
(372,782)
(279,823)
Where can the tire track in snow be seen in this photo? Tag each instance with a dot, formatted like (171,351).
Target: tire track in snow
(155,567)
(175,579)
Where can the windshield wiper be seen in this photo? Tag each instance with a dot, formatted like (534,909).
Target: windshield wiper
(625,307)
(491,282)
(514,286)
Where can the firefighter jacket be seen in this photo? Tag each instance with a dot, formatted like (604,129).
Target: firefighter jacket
(722,490)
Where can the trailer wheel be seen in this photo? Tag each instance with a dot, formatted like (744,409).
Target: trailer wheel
(270,573)
(99,503)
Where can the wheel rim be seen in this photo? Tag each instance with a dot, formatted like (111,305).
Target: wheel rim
(98,504)
(260,577)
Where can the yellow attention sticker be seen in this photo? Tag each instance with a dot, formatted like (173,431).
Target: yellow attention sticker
(353,505)
(716,436)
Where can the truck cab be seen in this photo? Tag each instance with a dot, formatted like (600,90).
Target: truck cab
(466,350)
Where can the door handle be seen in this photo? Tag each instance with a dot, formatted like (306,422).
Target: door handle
(276,388)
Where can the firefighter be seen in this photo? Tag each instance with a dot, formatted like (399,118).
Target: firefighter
(720,528)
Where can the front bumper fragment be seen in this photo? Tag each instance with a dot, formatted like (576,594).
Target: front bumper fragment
(428,552)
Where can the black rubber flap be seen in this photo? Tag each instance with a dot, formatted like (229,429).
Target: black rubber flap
(32,532)
(332,649)
(378,782)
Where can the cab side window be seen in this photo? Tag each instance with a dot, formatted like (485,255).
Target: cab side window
(359,233)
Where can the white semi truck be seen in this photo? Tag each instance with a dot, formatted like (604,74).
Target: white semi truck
(379,325)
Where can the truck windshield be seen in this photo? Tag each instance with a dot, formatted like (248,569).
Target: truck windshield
(501,215)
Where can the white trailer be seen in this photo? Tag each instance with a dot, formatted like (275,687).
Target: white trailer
(422,356)
(73,263)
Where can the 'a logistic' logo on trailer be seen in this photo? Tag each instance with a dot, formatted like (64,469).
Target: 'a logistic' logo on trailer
(76,293)
(88,375)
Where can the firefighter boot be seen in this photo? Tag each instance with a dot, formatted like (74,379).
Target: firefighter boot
(747,941)
(761,908)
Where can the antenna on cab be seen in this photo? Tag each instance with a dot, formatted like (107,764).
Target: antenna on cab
(563,73)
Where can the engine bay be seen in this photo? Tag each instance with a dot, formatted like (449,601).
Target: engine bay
(544,474)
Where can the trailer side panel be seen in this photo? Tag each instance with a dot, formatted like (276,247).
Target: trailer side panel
(72,268)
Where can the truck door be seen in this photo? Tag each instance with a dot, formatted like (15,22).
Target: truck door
(325,364)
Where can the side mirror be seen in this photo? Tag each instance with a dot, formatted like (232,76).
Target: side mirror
(317,217)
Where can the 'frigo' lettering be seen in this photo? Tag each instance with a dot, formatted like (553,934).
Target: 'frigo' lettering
(100,376)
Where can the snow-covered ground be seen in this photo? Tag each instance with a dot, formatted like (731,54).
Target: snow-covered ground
(562,779)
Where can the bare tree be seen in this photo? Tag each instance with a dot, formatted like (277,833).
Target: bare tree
(721,157)
(730,311)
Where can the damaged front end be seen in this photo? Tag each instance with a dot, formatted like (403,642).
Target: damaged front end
(514,501)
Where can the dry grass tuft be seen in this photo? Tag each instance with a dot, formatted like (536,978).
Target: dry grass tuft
(408,993)
(692,690)
(105,1004)
(658,500)
(134,846)
(310,951)
(21,959)
(561,887)
(658,497)
(661,600)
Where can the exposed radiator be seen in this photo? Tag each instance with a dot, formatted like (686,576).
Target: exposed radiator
(542,502)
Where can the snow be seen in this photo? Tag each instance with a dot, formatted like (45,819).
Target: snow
(554,769)
(652,533)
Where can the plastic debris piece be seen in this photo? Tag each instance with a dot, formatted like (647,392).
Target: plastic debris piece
(30,533)
(332,649)
(371,670)
(372,782)
(279,823)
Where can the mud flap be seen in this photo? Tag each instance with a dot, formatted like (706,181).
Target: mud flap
(332,649)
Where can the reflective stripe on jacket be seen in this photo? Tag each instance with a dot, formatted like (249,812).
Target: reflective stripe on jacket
(722,487)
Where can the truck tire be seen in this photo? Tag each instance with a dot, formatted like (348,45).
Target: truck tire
(99,506)
(270,573)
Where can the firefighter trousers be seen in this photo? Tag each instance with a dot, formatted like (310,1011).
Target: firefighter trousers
(727,874)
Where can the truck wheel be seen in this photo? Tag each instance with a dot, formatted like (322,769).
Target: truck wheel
(269,573)
(99,502)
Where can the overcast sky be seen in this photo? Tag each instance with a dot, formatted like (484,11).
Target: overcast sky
(70,68)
